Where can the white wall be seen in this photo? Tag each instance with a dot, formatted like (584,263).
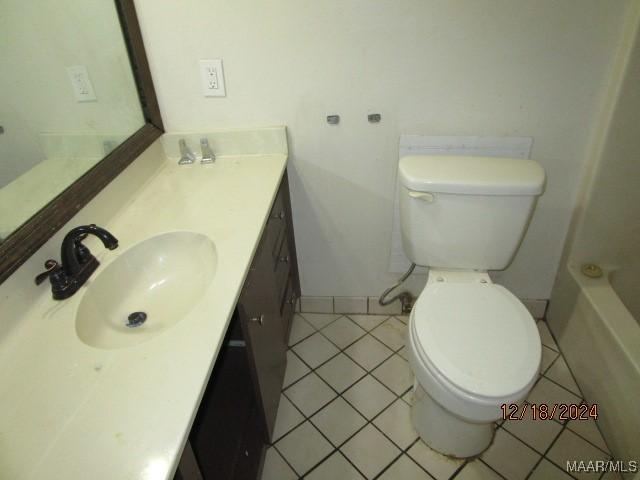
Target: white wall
(607,229)
(431,67)
(38,40)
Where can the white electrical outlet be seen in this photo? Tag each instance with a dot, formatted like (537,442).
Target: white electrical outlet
(81,83)
(212,77)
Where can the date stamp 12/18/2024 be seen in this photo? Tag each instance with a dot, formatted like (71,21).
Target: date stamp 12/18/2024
(544,411)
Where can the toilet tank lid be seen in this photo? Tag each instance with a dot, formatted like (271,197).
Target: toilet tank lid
(471,175)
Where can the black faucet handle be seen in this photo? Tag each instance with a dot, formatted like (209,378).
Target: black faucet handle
(51,266)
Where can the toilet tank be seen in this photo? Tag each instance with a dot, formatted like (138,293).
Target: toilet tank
(466,212)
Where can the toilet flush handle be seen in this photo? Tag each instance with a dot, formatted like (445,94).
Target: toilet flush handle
(424,196)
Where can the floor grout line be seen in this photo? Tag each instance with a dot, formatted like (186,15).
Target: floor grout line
(404,452)
(334,448)
(550,447)
(339,395)
(583,398)
(285,460)
(541,456)
(396,397)
(343,350)
(587,440)
(459,469)
(558,355)
(564,388)
(491,468)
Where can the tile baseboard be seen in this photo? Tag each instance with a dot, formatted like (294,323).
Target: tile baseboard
(394,308)
(370,305)
(350,305)
(361,305)
(316,304)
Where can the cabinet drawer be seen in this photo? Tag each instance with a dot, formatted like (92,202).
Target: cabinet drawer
(265,262)
(287,307)
(267,253)
(289,297)
(277,252)
(282,268)
(273,242)
(276,227)
(277,210)
(266,256)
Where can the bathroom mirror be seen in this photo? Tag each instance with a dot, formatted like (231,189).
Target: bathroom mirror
(77,106)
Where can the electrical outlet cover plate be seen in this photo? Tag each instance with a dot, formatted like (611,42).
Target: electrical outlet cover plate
(212,77)
(81,83)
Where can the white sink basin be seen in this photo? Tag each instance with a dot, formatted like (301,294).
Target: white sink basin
(146,290)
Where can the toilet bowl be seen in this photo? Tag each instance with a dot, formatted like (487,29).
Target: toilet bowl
(473,347)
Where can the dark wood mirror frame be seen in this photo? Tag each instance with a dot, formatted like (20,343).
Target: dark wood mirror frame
(29,237)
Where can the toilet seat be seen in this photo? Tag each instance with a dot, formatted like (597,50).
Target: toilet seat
(477,339)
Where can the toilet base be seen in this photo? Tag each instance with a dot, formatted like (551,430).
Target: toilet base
(446,433)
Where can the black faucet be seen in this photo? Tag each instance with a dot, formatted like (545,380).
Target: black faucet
(77,262)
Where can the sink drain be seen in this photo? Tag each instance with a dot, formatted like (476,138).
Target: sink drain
(136,319)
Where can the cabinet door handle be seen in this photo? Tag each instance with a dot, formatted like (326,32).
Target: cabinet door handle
(259,320)
(292,300)
(278,216)
(284,259)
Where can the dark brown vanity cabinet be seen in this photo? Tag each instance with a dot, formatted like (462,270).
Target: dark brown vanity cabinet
(264,306)
(237,414)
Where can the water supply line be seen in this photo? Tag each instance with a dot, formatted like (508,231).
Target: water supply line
(406,299)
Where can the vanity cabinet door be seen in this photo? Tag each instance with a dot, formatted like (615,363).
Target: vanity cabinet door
(262,329)
(264,313)
(238,410)
(251,456)
(220,428)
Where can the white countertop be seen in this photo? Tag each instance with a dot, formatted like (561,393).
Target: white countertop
(71,411)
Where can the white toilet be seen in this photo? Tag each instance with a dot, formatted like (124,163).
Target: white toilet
(472,345)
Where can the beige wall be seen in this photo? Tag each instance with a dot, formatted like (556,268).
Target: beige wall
(610,234)
(607,223)
(610,229)
(431,67)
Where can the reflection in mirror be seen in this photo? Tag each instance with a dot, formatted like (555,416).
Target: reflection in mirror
(68,97)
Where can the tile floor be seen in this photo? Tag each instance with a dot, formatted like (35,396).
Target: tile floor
(344,412)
